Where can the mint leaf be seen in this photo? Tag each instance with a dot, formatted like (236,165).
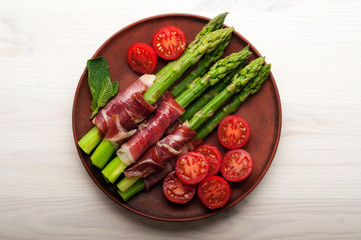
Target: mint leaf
(101,87)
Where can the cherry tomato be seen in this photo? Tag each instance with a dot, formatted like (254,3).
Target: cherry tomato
(214,192)
(177,191)
(212,155)
(236,165)
(233,132)
(169,42)
(191,167)
(142,58)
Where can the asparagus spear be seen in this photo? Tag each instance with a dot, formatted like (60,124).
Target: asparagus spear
(218,71)
(205,98)
(202,67)
(251,88)
(206,44)
(212,25)
(239,80)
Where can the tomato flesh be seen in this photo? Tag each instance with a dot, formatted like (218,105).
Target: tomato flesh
(236,165)
(212,155)
(169,42)
(177,191)
(233,132)
(192,167)
(142,58)
(214,192)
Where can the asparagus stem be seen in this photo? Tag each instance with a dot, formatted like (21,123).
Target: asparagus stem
(126,183)
(239,80)
(207,44)
(212,25)
(217,72)
(90,140)
(130,192)
(251,88)
(102,154)
(202,67)
(113,170)
(207,97)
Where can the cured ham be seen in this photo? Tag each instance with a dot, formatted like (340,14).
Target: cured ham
(151,130)
(157,176)
(118,119)
(167,148)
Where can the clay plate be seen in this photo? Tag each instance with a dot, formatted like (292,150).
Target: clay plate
(263,111)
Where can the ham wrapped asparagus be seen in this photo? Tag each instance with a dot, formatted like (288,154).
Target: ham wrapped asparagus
(167,112)
(156,157)
(118,119)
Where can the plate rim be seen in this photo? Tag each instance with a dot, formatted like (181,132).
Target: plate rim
(212,213)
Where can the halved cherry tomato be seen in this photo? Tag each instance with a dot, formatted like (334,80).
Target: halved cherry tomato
(236,165)
(212,155)
(177,191)
(142,58)
(191,167)
(233,132)
(169,42)
(214,192)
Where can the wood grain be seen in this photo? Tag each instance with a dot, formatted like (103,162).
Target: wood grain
(311,191)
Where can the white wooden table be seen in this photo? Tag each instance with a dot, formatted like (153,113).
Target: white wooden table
(313,187)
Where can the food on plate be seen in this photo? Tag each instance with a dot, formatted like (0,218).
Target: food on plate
(169,42)
(236,165)
(214,192)
(142,58)
(177,191)
(191,167)
(233,132)
(251,88)
(213,156)
(215,74)
(100,85)
(158,134)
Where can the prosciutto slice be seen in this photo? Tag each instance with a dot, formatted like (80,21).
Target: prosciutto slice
(150,131)
(157,176)
(167,148)
(118,119)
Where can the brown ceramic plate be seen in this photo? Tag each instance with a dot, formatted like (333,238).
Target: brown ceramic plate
(263,111)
